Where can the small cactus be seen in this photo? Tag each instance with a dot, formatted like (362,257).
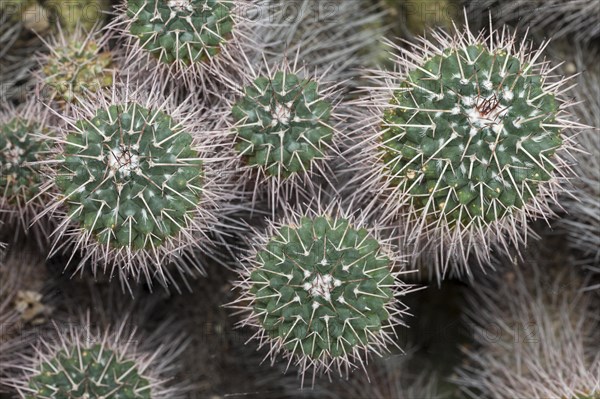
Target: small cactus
(321,288)
(285,127)
(196,42)
(77,65)
(133,187)
(23,147)
(83,361)
(467,141)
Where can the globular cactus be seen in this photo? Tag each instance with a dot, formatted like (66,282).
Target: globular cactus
(76,65)
(196,42)
(84,361)
(464,142)
(134,190)
(536,334)
(321,288)
(182,31)
(24,147)
(285,126)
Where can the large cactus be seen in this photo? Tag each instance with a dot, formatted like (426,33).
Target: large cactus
(466,141)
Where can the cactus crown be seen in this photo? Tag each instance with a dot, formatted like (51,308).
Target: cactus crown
(282,124)
(76,67)
(89,372)
(322,290)
(20,146)
(470,134)
(183,31)
(130,176)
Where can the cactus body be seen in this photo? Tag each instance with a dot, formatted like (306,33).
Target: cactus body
(462,143)
(470,135)
(24,147)
(133,190)
(322,290)
(282,124)
(89,372)
(85,361)
(131,177)
(184,31)
(19,147)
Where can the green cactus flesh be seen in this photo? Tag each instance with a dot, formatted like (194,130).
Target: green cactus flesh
(130,176)
(19,148)
(322,287)
(77,68)
(282,124)
(92,372)
(188,31)
(470,135)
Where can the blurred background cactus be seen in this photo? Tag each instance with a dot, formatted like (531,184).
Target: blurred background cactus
(299,199)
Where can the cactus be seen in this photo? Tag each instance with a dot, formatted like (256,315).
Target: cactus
(285,126)
(321,289)
(23,146)
(76,65)
(467,141)
(196,42)
(134,188)
(182,31)
(536,333)
(282,124)
(84,361)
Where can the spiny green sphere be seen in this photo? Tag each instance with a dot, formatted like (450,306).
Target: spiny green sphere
(282,124)
(471,134)
(130,176)
(186,31)
(19,146)
(322,287)
(76,68)
(93,372)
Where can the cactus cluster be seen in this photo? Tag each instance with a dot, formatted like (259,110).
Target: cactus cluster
(467,141)
(77,65)
(321,289)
